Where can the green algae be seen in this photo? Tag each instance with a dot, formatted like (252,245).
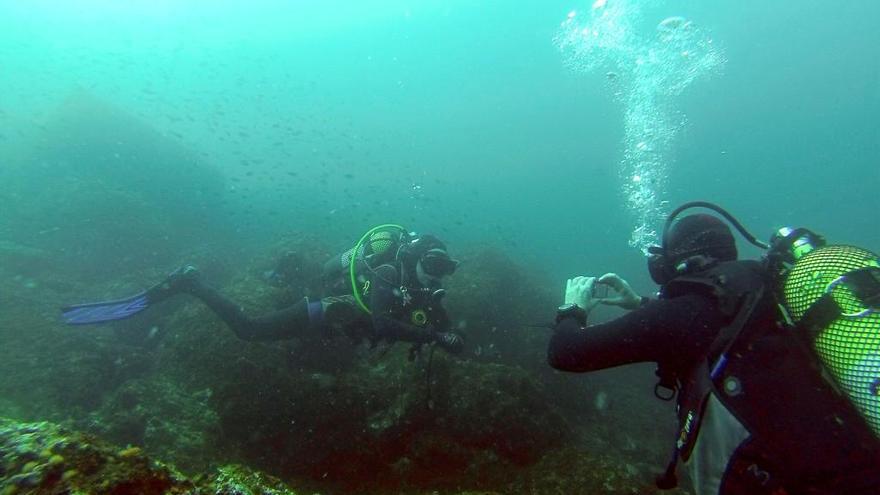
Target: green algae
(44,458)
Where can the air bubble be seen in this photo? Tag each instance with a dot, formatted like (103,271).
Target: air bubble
(650,70)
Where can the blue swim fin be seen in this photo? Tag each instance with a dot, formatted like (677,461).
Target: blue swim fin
(104,311)
(100,312)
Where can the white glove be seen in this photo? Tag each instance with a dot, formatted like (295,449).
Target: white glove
(626,297)
(579,290)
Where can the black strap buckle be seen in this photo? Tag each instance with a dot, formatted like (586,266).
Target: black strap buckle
(667,383)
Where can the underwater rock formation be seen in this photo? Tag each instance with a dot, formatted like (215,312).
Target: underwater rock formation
(99,191)
(165,420)
(498,305)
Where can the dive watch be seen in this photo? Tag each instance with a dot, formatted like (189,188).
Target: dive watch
(571,310)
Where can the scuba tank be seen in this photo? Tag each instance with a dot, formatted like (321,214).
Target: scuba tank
(381,244)
(830,295)
(375,249)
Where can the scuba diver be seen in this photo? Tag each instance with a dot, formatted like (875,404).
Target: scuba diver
(387,287)
(774,363)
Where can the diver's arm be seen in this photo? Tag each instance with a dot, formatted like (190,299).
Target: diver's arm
(668,330)
(282,324)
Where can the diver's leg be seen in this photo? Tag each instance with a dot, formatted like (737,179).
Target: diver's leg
(282,324)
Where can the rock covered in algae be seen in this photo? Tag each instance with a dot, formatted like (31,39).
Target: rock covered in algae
(44,458)
(239,480)
(388,423)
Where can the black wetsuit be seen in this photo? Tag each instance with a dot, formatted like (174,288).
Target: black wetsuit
(776,425)
(401,311)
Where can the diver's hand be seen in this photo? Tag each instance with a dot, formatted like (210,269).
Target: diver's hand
(450,342)
(579,290)
(626,297)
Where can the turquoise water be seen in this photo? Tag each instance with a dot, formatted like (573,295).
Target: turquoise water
(435,111)
(136,135)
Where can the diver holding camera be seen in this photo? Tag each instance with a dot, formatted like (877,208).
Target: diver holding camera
(774,363)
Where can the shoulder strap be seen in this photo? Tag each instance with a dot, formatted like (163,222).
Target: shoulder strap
(729,334)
